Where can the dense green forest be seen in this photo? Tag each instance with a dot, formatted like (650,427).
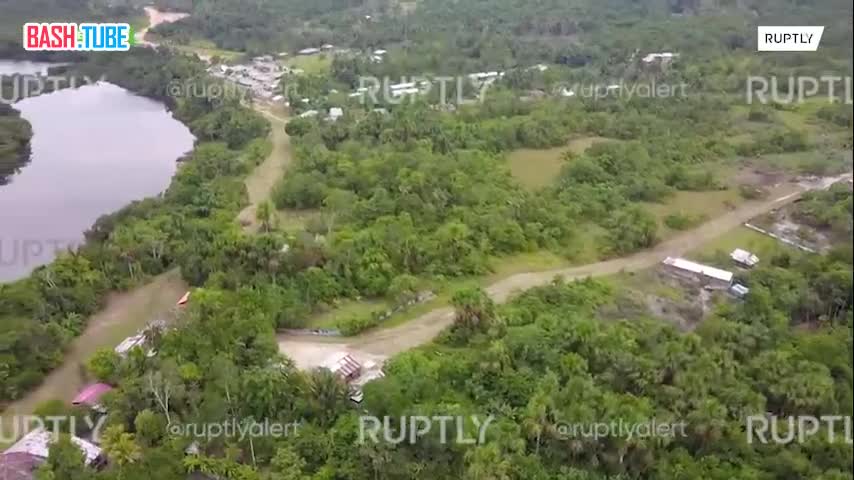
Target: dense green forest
(549,358)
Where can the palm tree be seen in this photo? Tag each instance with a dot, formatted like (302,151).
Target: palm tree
(121,447)
(328,393)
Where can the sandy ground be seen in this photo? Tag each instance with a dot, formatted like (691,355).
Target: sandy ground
(124,315)
(155,18)
(305,350)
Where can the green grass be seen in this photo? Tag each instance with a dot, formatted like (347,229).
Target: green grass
(311,64)
(206,48)
(538,168)
(710,204)
(742,237)
(344,310)
(294,220)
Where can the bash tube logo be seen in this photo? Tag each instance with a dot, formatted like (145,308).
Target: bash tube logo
(83,37)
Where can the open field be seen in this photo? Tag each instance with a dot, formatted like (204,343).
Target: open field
(206,50)
(124,315)
(709,204)
(537,168)
(741,237)
(318,63)
(344,310)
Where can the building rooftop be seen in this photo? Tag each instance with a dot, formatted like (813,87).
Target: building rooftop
(91,394)
(37,444)
(129,343)
(342,364)
(744,257)
(699,268)
(18,466)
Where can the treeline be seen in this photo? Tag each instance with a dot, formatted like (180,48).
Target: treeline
(15,134)
(539,364)
(40,314)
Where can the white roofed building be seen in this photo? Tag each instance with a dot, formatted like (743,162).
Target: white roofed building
(710,277)
(37,444)
(663,57)
(344,365)
(129,343)
(744,258)
(335,113)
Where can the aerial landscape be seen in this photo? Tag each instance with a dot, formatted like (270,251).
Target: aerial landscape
(426,239)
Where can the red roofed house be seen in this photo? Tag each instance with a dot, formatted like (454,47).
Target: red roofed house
(91,395)
(184,299)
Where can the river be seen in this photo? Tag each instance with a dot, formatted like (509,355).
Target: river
(94,150)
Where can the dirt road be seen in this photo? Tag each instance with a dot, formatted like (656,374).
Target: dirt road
(388,342)
(260,183)
(155,18)
(124,315)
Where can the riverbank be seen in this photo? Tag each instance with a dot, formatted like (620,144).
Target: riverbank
(142,240)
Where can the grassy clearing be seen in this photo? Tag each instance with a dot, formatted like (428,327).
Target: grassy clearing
(646,281)
(207,49)
(742,237)
(708,204)
(312,64)
(344,310)
(124,315)
(537,168)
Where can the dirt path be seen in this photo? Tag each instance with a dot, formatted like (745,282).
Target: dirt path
(124,315)
(155,18)
(260,183)
(388,342)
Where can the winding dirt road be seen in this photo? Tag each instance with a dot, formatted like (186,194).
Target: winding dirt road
(384,343)
(260,183)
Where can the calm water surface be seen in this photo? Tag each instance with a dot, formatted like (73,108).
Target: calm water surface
(94,149)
